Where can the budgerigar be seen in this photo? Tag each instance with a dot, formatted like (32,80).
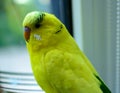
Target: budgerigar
(59,66)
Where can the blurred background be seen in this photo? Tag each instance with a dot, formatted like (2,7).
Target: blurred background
(95,25)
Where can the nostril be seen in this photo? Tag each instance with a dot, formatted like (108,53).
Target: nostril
(27,29)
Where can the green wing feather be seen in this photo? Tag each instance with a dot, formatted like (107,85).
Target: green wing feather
(103,87)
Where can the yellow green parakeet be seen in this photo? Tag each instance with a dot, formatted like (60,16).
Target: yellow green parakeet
(59,66)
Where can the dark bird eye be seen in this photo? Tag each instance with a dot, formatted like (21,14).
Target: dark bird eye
(37,25)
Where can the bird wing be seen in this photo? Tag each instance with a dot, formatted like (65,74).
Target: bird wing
(103,87)
(68,73)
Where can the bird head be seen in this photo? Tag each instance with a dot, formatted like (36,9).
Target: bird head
(43,29)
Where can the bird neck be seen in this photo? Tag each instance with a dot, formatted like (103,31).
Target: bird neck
(68,44)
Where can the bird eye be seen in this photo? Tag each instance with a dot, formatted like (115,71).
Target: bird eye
(37,25)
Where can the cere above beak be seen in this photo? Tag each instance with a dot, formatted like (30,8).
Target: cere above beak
(27,33)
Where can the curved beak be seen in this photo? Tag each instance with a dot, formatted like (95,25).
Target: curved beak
(27,31)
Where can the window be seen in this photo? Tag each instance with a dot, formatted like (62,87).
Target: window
(95,25)
(99,36)
(15,68)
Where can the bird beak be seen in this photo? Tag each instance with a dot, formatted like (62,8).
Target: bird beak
(27,31)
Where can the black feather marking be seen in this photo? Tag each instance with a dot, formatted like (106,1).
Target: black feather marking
(59,30)
(41,17)
(103,87)
(39,20)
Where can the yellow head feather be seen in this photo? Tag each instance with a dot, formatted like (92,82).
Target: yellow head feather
(45,29)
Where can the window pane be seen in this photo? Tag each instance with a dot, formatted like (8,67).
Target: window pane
(15,68)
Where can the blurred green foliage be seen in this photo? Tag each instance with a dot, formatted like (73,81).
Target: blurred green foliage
(11,17)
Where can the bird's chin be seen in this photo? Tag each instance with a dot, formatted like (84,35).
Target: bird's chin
(27,41)
(34,45)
